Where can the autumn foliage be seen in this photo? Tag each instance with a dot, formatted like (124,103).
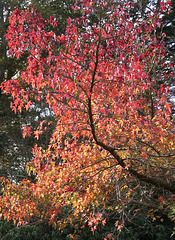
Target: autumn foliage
(105,83)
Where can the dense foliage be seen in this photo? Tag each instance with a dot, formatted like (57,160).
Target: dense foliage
(104,82)
(15,152)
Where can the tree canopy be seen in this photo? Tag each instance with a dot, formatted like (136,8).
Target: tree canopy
(113,143)
(15,152)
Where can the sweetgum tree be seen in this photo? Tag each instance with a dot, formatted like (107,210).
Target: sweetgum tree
(14,150)
(113,143)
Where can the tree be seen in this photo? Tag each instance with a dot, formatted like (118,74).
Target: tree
(169,29)
(14,151)
(59,9)
(113,143)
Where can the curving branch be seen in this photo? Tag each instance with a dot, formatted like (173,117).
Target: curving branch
(153,181)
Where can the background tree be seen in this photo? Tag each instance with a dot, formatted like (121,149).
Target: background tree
(61,10)
(168,27)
